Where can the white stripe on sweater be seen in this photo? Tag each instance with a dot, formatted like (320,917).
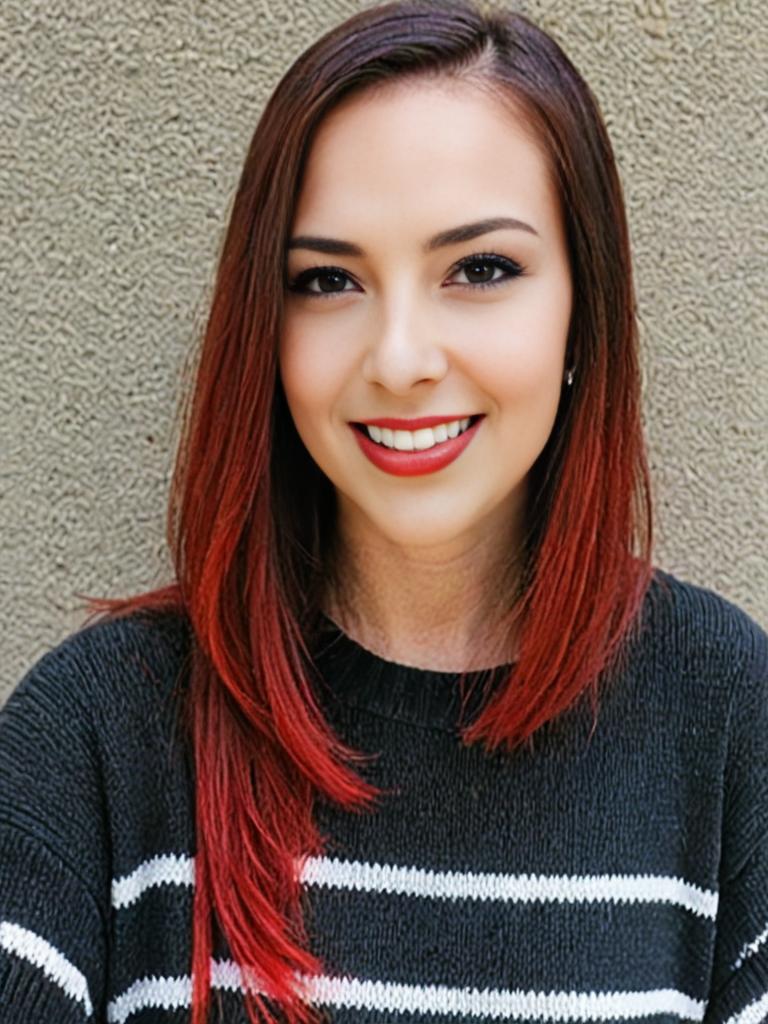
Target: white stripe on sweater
(164,870)
(754,1013)
(503,1004)
(170,993)
(54,965)
(452,885)
(383,997)
(455,885)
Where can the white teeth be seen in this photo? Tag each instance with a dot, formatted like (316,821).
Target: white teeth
(417,440)
(423,439)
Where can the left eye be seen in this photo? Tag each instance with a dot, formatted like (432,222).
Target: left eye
(471,266)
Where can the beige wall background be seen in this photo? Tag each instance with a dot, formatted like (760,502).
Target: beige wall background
(122,132)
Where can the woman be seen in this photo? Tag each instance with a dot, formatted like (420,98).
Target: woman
(345,766)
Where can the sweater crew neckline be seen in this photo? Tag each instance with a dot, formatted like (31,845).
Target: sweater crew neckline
(357,677)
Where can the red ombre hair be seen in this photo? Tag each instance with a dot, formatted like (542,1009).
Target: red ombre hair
(251,517)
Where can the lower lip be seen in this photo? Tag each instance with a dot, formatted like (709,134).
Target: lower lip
(415,463)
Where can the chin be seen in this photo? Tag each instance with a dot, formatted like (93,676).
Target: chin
(423,531)
(434,518)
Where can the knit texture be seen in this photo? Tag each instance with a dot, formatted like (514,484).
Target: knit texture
(612,871)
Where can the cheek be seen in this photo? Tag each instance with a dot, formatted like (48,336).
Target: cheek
(523,355)
(310,374)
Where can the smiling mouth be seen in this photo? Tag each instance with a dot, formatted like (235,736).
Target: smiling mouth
(416,440)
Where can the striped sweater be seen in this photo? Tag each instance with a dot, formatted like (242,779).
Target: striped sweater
(619,873)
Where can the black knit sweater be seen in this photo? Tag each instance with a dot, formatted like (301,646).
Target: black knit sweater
(621,875)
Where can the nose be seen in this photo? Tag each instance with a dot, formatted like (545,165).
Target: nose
(403,349)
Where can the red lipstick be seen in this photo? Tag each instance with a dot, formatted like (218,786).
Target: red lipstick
(415,463)
(417,424)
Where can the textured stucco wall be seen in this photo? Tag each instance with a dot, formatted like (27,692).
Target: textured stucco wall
(122,131)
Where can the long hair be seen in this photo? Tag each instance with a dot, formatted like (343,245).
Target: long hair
(250,517)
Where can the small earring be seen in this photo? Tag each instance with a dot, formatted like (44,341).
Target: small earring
(569,377)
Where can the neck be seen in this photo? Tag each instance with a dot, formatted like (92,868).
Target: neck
(448,609)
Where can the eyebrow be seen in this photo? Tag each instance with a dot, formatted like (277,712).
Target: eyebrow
(462,233)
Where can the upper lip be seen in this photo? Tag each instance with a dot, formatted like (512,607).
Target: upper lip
(416,424)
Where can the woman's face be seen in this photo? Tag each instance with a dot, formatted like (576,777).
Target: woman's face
(384,322)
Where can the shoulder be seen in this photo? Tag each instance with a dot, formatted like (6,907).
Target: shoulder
(100,713)
(109,670)
(106,667)
(696,630)
(90,751)
(93,717)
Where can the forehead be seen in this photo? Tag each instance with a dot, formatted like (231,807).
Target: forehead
(423,150)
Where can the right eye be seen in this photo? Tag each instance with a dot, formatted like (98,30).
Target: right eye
(334,276)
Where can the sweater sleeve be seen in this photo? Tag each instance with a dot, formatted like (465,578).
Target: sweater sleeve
(739,990)
(53,849)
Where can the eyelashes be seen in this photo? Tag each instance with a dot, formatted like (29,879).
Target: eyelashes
(510,270)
